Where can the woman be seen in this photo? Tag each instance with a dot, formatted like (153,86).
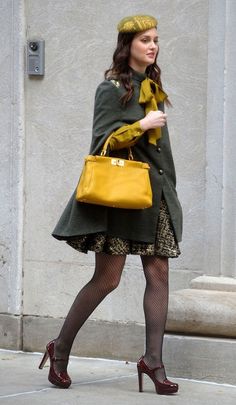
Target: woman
(129,104)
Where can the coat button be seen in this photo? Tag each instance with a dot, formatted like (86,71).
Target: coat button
(159,149)
(161,171)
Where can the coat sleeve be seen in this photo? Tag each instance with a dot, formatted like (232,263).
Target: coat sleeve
(126,136)
(107,120)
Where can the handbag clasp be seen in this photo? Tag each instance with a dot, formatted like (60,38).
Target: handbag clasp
(118,162)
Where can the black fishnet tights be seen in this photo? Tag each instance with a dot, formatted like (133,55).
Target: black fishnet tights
(155,304)
(108,270)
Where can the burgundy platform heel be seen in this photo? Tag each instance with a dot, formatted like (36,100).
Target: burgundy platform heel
(166,387)
(60,379)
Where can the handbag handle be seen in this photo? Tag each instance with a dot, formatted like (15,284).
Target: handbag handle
(106,144)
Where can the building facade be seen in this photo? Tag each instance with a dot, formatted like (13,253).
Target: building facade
(45,129)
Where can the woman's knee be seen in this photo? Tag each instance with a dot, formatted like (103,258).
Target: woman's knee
(155,268)
(108,271)
(106,283)
(113,283)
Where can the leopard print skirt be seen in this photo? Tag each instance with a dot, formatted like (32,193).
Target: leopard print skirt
(165,244)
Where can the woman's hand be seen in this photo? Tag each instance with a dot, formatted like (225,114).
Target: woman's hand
(153,119)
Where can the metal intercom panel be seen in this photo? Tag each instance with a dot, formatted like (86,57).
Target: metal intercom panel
(35,57)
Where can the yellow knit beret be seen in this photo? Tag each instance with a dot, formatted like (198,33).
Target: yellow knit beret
(137,23)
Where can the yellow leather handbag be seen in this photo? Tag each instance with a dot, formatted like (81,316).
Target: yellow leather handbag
(115,182)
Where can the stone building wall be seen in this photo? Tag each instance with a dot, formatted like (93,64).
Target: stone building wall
(45,129)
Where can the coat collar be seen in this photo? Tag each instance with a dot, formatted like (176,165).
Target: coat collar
(138,76)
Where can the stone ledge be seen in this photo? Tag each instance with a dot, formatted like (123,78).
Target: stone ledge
(10,331)
(214,283)
(203,358)
(202,312)
(111,340)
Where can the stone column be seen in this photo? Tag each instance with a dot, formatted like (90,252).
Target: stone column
(220,252)
(208,307)
(197,306)
(228,259)
(11,170)
(220,223)
(214,138)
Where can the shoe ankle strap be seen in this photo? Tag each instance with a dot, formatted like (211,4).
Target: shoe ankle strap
(58,359)
(158,367)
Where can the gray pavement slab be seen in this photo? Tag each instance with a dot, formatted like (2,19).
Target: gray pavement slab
(97,381)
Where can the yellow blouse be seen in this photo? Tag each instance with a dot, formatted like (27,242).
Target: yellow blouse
(128,135)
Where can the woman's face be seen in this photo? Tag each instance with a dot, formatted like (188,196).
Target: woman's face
(143,50)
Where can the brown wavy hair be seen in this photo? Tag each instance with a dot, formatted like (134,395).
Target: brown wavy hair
(120,69)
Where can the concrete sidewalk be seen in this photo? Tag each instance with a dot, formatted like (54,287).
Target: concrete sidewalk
(96,381)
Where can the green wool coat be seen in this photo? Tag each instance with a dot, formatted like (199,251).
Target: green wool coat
(139,225)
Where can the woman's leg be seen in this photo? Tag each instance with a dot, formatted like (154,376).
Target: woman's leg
(108,270)
(155,303)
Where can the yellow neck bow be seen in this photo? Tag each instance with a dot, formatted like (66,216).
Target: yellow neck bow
(150,96)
